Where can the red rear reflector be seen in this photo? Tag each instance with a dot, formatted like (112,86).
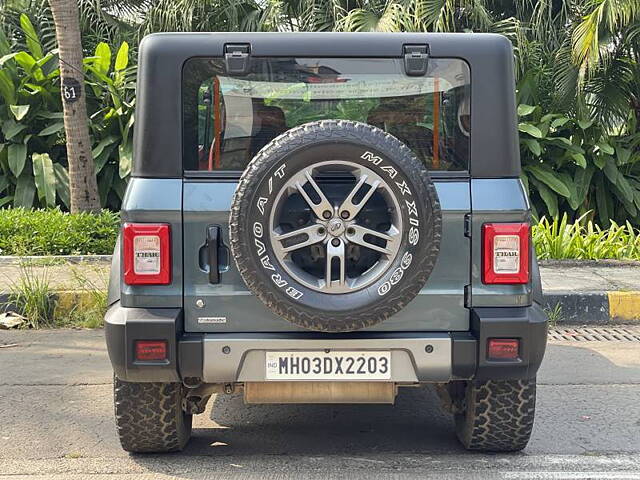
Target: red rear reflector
(505,253)
(503,349)
(146,253)
(150,350)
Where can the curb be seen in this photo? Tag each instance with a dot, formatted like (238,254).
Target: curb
(16,260)
(597,308)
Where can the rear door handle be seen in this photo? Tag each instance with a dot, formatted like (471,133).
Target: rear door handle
(213,244)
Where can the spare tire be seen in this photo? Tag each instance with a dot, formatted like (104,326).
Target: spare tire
(335,225)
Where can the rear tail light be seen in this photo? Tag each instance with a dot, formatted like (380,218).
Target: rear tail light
(146,255)
(503,349)
(151,350)
(505,253)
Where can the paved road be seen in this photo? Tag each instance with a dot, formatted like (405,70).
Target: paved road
(56,421)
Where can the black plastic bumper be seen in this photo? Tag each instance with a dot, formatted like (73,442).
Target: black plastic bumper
(123,326)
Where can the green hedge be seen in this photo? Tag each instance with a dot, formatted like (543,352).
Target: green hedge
(53,232)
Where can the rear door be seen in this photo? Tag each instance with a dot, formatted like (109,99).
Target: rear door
(230,114)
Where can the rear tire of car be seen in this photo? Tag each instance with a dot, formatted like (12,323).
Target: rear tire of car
(497,415)
(149,416)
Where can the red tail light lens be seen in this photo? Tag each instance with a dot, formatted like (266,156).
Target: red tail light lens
(503,349)
(146,253)
(151,350)
(505,253)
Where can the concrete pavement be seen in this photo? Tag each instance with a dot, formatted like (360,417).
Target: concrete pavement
(56,421)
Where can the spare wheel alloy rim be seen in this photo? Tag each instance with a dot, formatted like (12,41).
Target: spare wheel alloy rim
(336,228)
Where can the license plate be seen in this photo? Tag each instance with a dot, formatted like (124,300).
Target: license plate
(330,365)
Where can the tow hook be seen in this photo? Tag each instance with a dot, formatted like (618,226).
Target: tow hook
(228,388)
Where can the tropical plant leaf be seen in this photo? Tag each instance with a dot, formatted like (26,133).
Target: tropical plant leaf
(625,188)
(97,150)
(53,128)
(559,122)
(30,66)
(524,110)
(550,178)
(582,180)
(17,156)
(530,129)
(579,159)
(533,146)
(19,111)
(125,154)
(106,181)
(548,197)
(25,191)
(573,190)
(606,148)
(623,155)
(31,37)
(7,88)
(122,57)
(45,178)
(4,183)
(604,213)
(62,184)
(611,170)
(10,129)
(102,61)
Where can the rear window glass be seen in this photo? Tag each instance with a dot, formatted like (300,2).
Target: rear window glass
(227,119)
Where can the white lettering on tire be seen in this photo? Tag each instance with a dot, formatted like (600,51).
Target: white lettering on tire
(406,260)
(414,236)
(261,203)
(384,288)
(404,188)
(293,293)
(370,157)
(396,276)
(258,233)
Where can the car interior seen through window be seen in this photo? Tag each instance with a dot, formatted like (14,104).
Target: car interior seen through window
(228,119)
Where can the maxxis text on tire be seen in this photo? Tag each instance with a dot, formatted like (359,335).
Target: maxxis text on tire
(332,305)
(149,417)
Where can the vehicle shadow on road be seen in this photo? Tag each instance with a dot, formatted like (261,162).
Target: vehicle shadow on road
(414,424)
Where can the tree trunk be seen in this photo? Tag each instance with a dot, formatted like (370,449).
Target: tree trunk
(82,176)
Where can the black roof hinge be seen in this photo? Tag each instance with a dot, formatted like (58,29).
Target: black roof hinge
(416,59)
(237,58)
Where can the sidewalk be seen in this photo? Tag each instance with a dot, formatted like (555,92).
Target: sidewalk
(587,292)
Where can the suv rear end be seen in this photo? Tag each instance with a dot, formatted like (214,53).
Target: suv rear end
(194,314)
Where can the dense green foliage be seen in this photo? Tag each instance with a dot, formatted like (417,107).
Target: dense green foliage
(584,240)
(577,66)
(53,232)
(33,164)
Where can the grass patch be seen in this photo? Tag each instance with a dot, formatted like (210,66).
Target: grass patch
(32,297)
(559,239)
(554,314)
(85,308)
(53,232)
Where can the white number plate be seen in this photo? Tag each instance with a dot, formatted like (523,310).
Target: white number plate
(321,365)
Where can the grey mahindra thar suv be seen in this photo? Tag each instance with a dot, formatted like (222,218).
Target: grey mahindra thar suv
(325,218)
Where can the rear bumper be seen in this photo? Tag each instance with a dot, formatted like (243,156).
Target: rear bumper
(416,356)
